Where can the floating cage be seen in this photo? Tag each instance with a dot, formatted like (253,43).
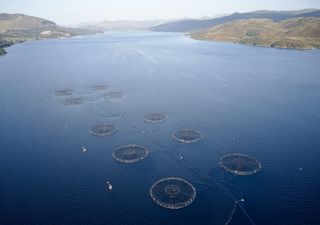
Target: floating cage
(99,87)
(173,193)
(130,153)
(103,129)
(155,117)
(63,92)
(113,95)
(74,101)
(240,164)
(187,136)
(110,115)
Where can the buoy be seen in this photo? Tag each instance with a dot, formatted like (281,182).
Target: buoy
(109,186)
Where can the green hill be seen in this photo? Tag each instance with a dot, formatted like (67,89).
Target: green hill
(19,28)
(296,33)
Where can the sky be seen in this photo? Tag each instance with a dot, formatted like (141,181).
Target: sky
(68,12)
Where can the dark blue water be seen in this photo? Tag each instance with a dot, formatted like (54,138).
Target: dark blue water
(258,101)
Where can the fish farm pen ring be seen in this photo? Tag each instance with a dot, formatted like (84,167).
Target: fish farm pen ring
(173,193)
(104,129)
(113,95)
(130,153)
(99,87)
(240,164)
(73,101)
(155,117)
(187,136)
(63,92)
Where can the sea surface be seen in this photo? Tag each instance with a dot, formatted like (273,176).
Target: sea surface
(263,102)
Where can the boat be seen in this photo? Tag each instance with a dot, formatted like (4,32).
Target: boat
(83,149)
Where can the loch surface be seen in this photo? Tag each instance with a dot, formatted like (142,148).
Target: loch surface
(263,102)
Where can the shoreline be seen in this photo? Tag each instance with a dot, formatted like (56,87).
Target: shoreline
(192,36)
(6,44)
(251,44)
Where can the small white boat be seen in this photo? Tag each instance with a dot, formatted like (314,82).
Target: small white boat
(109,186)
(83,149)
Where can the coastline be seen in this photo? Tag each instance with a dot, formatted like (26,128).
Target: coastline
(274,44)
(5,44)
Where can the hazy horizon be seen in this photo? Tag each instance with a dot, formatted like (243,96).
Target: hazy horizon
(67,12)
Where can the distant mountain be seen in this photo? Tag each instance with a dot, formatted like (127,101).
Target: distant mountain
(122,25)
(19,27)
(296,33)
(310,14)
(196,25)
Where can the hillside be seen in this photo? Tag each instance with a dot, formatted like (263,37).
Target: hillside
(19,27)
(197,25)
(296,33)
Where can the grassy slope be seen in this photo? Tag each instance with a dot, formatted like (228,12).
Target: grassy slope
(297,33)
(19,27)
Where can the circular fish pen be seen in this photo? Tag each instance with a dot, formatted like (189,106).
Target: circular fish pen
(110,115)
(99,87)
(73,101)
(187,136)
(130,153)
(63,92)
(173,193)
(103,130)
(155,117)
(240,164)
(113,95)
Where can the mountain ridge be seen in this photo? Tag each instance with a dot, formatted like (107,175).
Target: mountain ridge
(196,25)
(122,25)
